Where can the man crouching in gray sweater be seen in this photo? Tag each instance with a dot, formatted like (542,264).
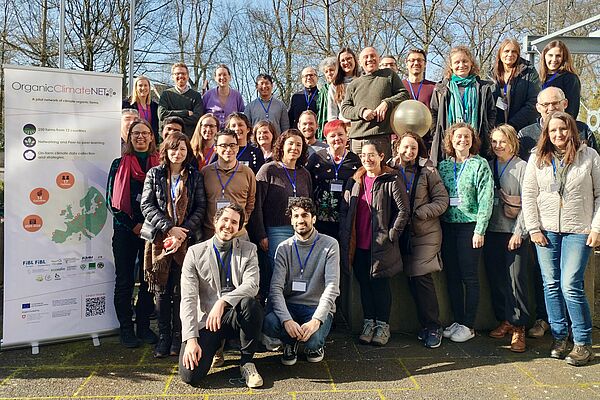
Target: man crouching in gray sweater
(304,286)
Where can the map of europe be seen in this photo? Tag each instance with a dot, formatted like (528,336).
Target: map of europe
(84,220)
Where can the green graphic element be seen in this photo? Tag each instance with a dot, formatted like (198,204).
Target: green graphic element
(87,222)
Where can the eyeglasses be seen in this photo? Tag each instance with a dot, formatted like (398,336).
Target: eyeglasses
(309,76)
(208,125)
(226,146)
(551,103)
(141,133)
(415,61)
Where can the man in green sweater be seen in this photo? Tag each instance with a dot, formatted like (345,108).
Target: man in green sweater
(181,101)
(369,102)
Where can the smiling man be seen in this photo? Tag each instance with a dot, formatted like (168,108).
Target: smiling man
(219,280)
(227,181)
(306,99)
(307,124)
(266,106)
(304,286)
(181,100)
(369,102)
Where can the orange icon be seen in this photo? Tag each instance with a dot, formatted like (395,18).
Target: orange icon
(39,196)
(32,223)
(65,180)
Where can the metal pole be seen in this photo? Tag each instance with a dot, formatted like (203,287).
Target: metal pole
(61,37)
(131,35)
(567,29)
(548,17)
(327,27)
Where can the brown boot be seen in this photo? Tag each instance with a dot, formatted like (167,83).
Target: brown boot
(517,344)
(502,330)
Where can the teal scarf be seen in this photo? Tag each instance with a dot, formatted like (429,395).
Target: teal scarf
(463,108)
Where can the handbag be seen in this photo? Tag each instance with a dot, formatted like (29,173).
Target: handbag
(511,205)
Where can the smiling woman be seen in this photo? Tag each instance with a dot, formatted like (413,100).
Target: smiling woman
(223,100)
(462,96)
(141,100)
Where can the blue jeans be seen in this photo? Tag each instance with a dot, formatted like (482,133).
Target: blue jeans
(276,235)
(273,327)
(562,262)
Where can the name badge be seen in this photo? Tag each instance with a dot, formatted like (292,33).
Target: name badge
(455,201)
(501,104)
(222,203)
(292,198)
(496,201)
(246,163)
(336,185)
(299,286)
(139,198)
(554,187)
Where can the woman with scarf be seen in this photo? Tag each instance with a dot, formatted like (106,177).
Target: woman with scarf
(557,69)
(517,87)
(141,100)
(174,205)
(462,96)
(123,192)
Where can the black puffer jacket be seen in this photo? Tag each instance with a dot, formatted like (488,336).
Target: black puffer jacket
(155,198)
(523,90)
(388,217)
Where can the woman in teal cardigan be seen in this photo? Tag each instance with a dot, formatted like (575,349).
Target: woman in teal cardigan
(470,184)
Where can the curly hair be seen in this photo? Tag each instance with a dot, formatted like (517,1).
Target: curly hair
(421,147)
(467,52)
(304,203)
(278,148)
(475,141)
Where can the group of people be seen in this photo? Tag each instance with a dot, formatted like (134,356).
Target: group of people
(244,218)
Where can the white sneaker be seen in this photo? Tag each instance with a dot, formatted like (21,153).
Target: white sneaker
(251,375)
(450,330)
(462,334)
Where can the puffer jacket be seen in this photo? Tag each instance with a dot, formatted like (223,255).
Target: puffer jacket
(155,198)
(523,91)
(440,101)
(431,201)
(578,210)
(388,218)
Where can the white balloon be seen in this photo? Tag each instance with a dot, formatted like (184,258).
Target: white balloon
(411,116)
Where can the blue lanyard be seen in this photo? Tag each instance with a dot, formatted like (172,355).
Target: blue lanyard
(292,182)
(505,89)
(309,100)
(266,109)
(241,152)
(554,168)
(496,176)
(228,180)
(227,267)
(302,266)
(418,90)
(336,167)
(174,188)
(457,176)
(547,83)
(409,184)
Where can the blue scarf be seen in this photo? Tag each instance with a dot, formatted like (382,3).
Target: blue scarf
(463,108)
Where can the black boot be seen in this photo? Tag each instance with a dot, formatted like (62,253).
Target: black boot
(128,339)
(146,335)
(176,344)
(161,349)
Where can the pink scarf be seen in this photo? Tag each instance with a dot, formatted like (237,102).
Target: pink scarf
(129,167)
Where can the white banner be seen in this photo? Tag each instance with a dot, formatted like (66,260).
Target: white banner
(62,132)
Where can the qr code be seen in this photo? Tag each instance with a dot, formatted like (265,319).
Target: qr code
(95,306)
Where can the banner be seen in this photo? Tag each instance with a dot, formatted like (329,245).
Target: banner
(62,132)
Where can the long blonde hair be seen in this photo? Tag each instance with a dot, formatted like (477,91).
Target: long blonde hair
(197,141)
(467,52)
(135,98)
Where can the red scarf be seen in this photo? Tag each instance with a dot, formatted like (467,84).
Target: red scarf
(129,167)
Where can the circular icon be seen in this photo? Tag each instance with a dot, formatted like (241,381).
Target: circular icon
(29,129)
(32,223)
(29,141)
(29,155)
(593,119)
(65,180)
(39,196)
